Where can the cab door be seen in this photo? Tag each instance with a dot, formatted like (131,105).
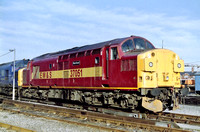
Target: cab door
(114,66)
(111,66)
(105,66)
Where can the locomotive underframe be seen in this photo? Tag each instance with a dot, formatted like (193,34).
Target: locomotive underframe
(119,99)
(7,90)
(146,98)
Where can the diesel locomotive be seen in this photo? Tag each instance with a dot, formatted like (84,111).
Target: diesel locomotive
(128,73)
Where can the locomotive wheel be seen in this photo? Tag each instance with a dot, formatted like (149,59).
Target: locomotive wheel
(124,103)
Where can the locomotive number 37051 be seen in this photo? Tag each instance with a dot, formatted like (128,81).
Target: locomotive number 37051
(76,73)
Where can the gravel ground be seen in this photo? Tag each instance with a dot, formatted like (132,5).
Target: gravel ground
(40,124)
(187,109)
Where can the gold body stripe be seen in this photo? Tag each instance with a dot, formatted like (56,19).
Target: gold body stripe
(70,73)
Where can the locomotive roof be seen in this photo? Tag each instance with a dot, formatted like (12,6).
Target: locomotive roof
(11,63)
(5,63)
(81,49)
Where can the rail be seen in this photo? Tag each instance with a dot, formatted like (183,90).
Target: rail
(174,117)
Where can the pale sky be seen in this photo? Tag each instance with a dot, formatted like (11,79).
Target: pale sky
(36,27)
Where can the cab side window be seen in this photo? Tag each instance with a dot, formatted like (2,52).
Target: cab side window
(114,53)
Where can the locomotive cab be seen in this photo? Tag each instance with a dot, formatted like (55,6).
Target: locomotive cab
(158,72)
(135,65)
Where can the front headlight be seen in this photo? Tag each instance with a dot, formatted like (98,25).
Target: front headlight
(151,64)
(179,65)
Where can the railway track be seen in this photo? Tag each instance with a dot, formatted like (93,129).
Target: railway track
(177,118)
(116,123)
(14,128)
(164,116)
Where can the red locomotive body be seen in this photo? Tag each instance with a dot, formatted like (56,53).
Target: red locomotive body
(105,73)
(101,66)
